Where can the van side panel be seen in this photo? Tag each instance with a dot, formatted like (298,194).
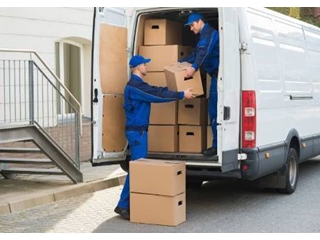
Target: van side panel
(285,59)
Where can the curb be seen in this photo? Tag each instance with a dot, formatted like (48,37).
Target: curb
(48,196)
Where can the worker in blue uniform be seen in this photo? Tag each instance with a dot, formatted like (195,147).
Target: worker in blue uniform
(138,96)
(206,54)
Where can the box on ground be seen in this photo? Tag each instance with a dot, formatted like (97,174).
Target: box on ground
(162,32)
(162,56)
(164,113)
(157,177)
(176,81)
(157,209)
(192,139)
(163,138)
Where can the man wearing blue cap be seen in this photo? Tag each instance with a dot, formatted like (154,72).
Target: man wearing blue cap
(138,96)
(206,54)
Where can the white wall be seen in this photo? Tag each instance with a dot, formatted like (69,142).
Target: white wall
(40,28)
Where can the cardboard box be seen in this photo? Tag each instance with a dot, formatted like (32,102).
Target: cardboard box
(162,56)
(169,110)
(162,32)
(176,81)
(193,111)
(192,139)
(163,138)
(156,79)
(157,209)
(208,84)
(159,177)
(209,137)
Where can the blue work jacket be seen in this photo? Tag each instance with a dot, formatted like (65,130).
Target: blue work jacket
(206,52)
(138,96)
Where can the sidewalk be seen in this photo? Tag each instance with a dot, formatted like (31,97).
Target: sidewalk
(28,191)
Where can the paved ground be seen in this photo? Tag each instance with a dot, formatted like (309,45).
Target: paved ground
(82,214)
(28,191)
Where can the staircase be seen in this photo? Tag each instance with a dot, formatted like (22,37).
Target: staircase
(40,120)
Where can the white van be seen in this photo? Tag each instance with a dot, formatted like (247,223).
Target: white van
(268,91)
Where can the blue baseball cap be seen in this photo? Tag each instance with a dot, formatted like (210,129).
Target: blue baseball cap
(137,60)
(193,17)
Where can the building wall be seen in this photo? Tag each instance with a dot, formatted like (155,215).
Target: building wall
(40,29)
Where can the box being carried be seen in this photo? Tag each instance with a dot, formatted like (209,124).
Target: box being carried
(176,81)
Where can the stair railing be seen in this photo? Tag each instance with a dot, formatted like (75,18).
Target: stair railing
(32,94)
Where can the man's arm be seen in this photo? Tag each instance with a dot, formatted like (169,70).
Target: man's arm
(205,46)
(144,92)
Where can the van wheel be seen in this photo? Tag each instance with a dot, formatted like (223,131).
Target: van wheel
(125,164)
(194,184)
(291,172)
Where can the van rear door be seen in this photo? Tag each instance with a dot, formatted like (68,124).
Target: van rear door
(109,76)
(229,90)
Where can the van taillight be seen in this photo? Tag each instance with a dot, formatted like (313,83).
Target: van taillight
(249,116)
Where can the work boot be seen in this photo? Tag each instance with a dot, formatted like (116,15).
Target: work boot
(124,213)
(210,152)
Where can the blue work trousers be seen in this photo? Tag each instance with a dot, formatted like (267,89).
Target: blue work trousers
(138,143)
(213,109)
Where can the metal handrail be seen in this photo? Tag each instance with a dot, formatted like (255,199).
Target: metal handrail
(53,74)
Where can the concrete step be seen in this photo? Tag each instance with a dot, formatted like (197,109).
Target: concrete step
(51,171)
(19,150)
(26,161)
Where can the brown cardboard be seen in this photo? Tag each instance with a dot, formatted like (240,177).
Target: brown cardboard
(157,209)
(159,177)
(209,137)
(192,139)
(163,138)
(113,58)
(113,123)
(162,32)
(208,84)
(164,113)
(176,81)
(193,111)
(156,79)
(162,56)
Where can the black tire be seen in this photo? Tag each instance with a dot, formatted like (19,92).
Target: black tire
(125,165)
(291,172)
(194,184)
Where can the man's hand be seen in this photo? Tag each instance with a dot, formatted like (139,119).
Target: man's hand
(189,72)
(188,94)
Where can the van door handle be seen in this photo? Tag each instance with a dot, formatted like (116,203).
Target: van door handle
(226,113)
(95,100)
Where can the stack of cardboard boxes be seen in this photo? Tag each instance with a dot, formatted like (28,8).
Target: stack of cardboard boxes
(157,192)
(162,43)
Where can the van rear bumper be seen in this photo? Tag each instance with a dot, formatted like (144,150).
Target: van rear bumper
(263,161)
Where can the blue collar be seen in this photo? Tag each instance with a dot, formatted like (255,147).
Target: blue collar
(136,77)
(204,28)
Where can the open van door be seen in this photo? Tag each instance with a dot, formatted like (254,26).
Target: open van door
(229,84)
(109,77)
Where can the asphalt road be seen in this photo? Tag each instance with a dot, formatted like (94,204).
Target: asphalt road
(222,206)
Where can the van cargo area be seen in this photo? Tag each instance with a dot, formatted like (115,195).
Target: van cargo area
(178,130)
(189,133)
